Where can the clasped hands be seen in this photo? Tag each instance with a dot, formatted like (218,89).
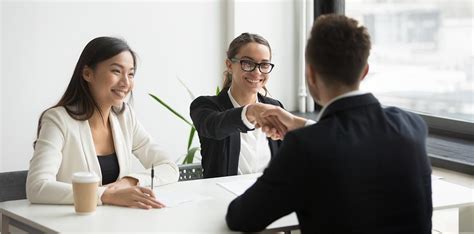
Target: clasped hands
(274,121)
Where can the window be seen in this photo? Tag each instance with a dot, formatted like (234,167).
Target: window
(422,56)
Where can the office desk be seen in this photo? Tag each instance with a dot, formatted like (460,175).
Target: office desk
(202,216)
(448,198)
(205,216)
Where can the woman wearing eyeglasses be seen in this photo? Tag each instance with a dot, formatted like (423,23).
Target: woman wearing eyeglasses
(226,124)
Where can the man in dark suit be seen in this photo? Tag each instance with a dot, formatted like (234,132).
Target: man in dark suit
(360,169)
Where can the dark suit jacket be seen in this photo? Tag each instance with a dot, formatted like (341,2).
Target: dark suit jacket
(360,169)
(219,125)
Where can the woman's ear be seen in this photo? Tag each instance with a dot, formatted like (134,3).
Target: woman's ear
(228,64)
(87,73)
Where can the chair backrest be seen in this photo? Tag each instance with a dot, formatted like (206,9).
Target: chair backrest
(190,171)
(13,185)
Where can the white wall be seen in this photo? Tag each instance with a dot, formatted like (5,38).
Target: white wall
(275,21)
(41,42)
(1,89)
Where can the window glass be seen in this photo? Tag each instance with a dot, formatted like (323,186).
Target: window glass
(422,56)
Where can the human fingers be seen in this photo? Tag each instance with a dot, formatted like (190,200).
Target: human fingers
(146,190)
(149,198)
(141,205)
(276,125)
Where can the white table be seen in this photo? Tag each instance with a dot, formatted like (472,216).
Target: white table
(202,216)
(448,198)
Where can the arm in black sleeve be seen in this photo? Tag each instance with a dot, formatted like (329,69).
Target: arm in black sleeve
(212,122)
(274,195)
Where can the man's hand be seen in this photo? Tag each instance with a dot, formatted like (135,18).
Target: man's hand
(280,119)
(254,115)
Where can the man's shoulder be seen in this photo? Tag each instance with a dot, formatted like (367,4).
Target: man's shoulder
(406,117)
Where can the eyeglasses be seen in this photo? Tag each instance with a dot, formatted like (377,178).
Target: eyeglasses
(249,65)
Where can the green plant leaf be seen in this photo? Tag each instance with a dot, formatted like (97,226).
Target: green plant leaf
(190,155)
(191,95)
(170,109)
(191,137)
(217,90)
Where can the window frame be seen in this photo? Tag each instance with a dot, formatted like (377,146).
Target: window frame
(437,125)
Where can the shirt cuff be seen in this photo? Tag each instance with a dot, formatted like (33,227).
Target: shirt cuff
(245,120)
(309,122)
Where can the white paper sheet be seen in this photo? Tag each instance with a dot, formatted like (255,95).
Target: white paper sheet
(238,187)
(172,199)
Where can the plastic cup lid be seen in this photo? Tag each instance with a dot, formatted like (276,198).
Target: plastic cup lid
(85,177)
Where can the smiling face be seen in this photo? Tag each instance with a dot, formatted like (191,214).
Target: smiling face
(249,82)
(111,80)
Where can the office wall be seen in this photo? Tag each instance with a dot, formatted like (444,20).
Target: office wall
(274,20)
(1,89)
(41,42)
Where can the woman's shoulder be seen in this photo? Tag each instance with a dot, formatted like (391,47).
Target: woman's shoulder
(202,100)
(58,111)
(269,100)
(57,115)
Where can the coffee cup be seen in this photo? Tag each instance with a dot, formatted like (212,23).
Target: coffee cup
(84,186)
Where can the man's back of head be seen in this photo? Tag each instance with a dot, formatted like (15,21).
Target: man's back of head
(338,49)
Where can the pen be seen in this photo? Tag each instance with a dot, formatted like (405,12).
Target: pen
(152,175)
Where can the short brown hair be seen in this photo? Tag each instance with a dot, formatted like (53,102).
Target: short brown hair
(338,49)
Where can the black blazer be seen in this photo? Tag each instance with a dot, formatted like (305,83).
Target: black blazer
(360,169)
(219,125)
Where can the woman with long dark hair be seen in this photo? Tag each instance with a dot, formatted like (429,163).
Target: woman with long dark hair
(93,129)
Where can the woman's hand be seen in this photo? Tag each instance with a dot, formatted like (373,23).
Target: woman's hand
(125,182)
(135,196)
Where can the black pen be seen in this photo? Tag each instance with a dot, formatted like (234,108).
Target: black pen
(152,175)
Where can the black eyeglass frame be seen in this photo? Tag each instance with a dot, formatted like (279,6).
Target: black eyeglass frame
(255,65)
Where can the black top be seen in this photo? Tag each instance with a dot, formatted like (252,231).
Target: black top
(219,125)
(360,169)
(109,168)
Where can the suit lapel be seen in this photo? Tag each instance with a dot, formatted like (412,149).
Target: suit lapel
(88,148)
(119,144)
(224,103)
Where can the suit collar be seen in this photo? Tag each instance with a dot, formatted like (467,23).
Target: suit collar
(224,100)
(348,103)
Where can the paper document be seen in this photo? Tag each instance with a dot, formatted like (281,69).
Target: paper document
(238,187)
(172,199)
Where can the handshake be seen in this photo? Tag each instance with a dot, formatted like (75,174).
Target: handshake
(274,120)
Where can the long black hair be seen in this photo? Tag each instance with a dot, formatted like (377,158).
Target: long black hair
(77,99)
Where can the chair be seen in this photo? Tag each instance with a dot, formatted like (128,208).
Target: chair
(13,185)
(190,171)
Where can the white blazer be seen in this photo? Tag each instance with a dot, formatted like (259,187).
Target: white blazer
(65,146)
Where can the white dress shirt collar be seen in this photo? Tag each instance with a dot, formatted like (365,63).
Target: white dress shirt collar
(344,95)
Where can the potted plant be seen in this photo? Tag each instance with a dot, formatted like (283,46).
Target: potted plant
(190,151)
